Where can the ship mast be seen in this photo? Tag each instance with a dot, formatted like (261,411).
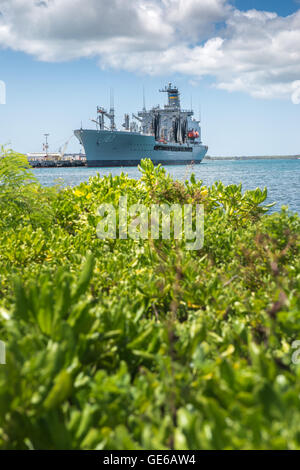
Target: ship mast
(111,114)
(144,101)
(173,95)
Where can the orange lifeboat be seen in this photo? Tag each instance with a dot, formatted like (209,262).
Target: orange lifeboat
(193,134)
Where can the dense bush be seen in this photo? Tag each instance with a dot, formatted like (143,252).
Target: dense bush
(140,344)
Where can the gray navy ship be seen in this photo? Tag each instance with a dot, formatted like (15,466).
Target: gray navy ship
(167,135)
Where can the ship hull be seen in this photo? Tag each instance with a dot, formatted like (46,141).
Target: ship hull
(120,148)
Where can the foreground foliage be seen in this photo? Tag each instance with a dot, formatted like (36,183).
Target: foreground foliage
(125,344)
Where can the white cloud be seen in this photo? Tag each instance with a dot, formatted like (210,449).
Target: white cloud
(254,51)
(193,20)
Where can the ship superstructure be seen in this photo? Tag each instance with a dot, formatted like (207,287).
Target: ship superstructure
(167,135)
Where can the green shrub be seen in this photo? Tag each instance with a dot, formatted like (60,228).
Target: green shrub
(124,344)
(22,199)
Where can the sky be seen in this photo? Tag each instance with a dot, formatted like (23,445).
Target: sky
(237,62)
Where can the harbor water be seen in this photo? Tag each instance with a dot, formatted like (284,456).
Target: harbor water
(281,177)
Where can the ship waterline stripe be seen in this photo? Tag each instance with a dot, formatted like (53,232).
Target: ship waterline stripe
(112,163)
(173,148)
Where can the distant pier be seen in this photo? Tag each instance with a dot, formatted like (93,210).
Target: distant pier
(57,163)
(56,160)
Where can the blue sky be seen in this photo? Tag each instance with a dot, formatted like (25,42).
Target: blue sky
(241,67)
(282,7)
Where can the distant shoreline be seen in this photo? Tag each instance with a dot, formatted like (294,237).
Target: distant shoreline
(274,157)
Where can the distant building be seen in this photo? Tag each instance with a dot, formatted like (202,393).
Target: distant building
(36,156)
(43,156)
(74,156)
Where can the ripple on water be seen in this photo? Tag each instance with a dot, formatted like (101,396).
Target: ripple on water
(281,177)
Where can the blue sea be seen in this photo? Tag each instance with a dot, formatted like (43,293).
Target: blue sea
(281,177)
